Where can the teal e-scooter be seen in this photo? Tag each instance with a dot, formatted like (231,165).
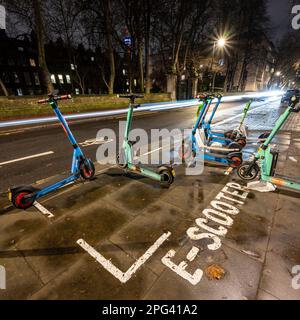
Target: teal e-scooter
(265,160)
(164,174)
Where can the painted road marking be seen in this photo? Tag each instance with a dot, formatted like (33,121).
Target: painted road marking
(92,142)
(116,272)
(43,210)
(221,213)
(27,158)
(293,159)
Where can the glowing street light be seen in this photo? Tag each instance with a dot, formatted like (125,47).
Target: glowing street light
(221,42)
(278,73)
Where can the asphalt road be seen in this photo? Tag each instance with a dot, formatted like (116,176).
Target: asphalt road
(19,142)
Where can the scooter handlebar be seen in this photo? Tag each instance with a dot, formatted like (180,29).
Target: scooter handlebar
(55,98)
(130,96)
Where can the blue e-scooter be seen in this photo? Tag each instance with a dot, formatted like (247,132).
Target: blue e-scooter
(24,197)
(198,145)
(227,137)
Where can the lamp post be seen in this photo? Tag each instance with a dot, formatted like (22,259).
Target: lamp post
(221,43)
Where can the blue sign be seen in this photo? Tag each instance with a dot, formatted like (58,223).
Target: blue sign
(127,41)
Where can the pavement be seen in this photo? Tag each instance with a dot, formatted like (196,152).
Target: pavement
(123,237)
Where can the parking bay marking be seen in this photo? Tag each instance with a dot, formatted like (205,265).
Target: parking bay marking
(43,210)
(116,272)
(221,214)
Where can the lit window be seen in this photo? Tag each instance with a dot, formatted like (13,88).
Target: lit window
(92,59)
(68,78)
(20,49)
(32,62)
(36,79)
(135,82)
(124,72)
(72,66)
(53,79)
(77,91)
(61,79)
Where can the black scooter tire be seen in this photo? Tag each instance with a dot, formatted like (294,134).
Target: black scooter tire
(17,197)
(244,167)
(167,177)
(87,170)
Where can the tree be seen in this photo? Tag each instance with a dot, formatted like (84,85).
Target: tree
(40,34)
(30,12)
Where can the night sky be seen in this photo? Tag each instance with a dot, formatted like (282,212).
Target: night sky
(280,15)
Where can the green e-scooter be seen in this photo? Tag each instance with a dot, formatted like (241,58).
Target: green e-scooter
(164,174)
(265,160)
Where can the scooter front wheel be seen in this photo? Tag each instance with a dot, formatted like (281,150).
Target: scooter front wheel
(246,174)
(167,177)
(87,169)
(19,199)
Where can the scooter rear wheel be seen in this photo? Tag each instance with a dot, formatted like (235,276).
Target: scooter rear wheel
(167,178)
(244,168)
(235,161)
(18,198)
(87,170)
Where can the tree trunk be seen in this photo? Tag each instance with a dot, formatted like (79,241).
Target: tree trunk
(109,36)
(3,87)
(147,48)
(39,29)
(141,65)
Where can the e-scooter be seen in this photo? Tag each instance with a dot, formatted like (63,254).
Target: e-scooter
(198,145)
(265,160)
(165,174)
(237,135)
(24,197)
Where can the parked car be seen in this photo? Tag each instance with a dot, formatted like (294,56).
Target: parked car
(287,96)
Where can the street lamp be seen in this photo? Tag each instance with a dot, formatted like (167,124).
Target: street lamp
(221,43)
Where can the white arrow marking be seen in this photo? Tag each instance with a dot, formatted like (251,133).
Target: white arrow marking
(116,272)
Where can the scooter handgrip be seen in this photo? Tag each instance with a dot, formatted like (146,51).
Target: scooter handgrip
(43,101)
(65,97)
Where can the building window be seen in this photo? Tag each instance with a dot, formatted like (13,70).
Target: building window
(27,79)
(77,91)
(72,66)
(21,49)
(61,79)
(16,78)
(92,59)
(36,79)
(53,79)
(68,78)
(32,62)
